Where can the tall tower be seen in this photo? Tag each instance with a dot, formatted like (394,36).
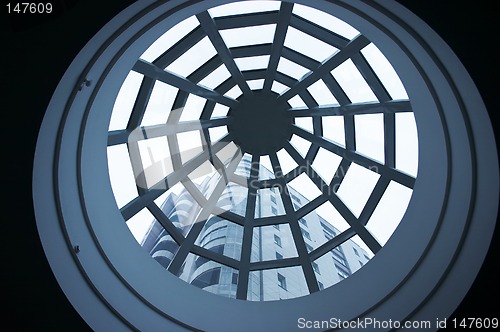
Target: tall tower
(272,242)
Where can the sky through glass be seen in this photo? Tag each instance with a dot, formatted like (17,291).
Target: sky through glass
(320,111)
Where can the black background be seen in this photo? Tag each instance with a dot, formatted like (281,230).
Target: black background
(37,49)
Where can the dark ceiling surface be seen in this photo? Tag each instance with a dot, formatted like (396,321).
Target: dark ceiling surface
(37,50)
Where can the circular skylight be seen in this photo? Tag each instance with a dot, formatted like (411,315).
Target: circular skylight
(162,201)
(276,146)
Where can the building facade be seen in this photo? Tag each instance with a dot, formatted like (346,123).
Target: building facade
(274,242)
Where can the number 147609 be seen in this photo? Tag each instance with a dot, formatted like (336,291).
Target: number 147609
(29,8)
(470,323)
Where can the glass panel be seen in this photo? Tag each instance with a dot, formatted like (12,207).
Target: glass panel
(308,45)
(121,174)
(356,253)
(252,35)
(341,262)
(256,84)
(329,273)
(190,145)
(215,78)
(305,123)
(296,101)
(326,21)
(160,245)
(219,111)
(406,143)
(163,197)
(266,168)
(322,94)
(357,187)
(234,238)
(300,144)
(169,38)
(205,177)
(286,162)
(277,284)
(278,87)
(253,62)
(291,69)
(234,199)
(370,135)
(269,240)
(140,224)
(125,101)
(389,211)
(326,164)
(331,218)
(303,185)
(155,160)
(318,228)
(193,58)
(234,93)
(160,104)
(216,133)
(210,276)
(313,230)
(353,83)
(222,236)
(157,241)
(193,108)
(244,7)
(384,71)
(245,166)
(333,129)
(179,207)
(269,203)
(227,153)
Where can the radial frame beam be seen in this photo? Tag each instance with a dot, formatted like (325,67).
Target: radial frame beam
(210,28)
(328,246)
(138,203)
(383,96)
(182,83)
(186,247)
(353,47)
(166,223)
(246,20)
(141,103)
(179,48)
(388,107)
(246,244)
(117,137)
(370,164)
(283,21)
(318,32)
(351,219)
(303,255)
(251,50)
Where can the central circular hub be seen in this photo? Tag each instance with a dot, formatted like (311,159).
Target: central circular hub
(260,124)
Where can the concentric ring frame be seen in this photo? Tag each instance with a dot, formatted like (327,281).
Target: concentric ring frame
(443,236)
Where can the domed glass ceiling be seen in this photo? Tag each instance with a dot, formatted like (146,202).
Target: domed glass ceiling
(262,150)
